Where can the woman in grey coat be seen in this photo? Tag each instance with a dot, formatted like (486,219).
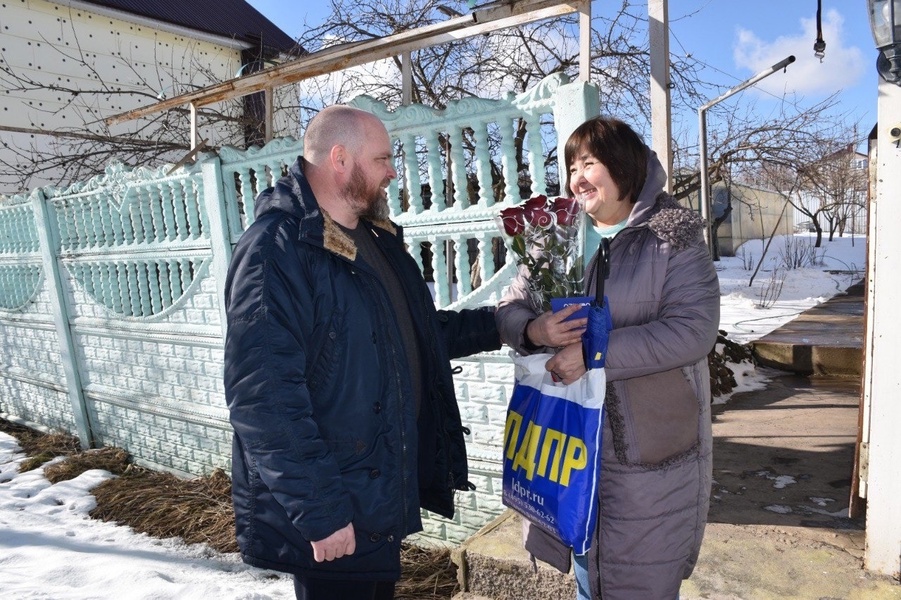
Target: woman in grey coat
(664,299)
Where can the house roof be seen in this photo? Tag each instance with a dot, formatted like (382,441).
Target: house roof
(234,19)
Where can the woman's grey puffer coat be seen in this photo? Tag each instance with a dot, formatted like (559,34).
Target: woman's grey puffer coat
(656,473)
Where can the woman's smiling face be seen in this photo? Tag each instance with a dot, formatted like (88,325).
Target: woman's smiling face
(590,183)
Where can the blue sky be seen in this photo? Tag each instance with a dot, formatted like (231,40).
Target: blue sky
(738,39)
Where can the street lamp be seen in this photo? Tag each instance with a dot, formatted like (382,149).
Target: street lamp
(885,21)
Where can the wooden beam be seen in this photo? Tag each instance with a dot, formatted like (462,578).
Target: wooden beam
(661,106)
(585,41)
(343,56)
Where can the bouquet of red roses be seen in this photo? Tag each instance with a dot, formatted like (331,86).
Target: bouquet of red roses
(546,237)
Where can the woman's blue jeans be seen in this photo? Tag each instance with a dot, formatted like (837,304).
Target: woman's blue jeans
(580,569)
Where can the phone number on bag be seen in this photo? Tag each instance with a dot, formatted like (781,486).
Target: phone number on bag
(528,508)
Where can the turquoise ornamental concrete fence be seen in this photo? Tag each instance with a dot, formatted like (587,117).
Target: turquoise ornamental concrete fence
(21,272)
(111,322)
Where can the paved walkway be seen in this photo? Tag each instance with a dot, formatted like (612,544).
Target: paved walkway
(783,464)
(824,340)
(778,524)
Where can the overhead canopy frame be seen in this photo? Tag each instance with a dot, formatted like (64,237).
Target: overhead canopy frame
(510,13)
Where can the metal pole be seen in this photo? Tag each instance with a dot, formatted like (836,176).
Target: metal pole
(702,139)
(705,185)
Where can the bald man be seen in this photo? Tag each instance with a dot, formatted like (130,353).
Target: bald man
(337,372)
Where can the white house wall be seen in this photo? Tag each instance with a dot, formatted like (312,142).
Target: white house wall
(47,42)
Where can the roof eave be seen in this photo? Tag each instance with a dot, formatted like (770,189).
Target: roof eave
(204,36)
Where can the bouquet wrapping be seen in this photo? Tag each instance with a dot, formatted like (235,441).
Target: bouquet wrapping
(546,237)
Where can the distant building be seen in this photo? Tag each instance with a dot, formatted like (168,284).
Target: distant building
(66,65)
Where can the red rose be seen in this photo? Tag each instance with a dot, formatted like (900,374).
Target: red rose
(514,220)
(536,212)
(551,254)
(566,210)
(535,202)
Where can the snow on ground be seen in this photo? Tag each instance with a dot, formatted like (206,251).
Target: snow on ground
(51,550)
(751,309)
(839,264)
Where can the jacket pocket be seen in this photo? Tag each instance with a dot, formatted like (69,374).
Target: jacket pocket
(660,417)
(324,348)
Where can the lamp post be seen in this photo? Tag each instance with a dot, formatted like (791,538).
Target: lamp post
(885,21)
(702,141)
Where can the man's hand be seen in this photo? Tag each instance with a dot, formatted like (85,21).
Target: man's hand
(551,328)
(341,543)
(567,365)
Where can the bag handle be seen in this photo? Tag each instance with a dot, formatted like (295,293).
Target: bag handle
(603,271)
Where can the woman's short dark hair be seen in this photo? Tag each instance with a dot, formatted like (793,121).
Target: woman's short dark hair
(617,146)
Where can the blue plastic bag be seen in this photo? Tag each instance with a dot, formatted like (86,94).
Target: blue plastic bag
(552,450)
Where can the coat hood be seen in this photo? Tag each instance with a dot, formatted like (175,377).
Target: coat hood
(290,194)
(669,220)
(293,195)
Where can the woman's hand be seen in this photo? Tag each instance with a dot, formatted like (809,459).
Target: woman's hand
(567,365)
(551,328)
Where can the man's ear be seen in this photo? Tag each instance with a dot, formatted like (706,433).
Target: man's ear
(339,158)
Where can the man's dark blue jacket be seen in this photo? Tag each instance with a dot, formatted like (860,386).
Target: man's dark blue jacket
(319,392)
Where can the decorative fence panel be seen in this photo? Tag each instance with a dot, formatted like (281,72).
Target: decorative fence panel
(111,320)
(32,380)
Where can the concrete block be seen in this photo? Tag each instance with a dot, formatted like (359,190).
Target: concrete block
(493,564)
(486,393)
(472,371)
(499,372)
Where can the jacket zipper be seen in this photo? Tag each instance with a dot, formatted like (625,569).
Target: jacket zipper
(402,400)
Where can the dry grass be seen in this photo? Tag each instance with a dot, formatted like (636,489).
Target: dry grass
(197,510)
(426,573)
(162,505)
(41,447)
(114,460)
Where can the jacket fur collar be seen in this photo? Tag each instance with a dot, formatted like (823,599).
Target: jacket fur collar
(336,241)
(676,224)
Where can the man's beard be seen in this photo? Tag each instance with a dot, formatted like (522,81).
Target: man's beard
(367,202)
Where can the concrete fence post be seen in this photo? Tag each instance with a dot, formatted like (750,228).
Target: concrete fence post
(59,305)
(214,199)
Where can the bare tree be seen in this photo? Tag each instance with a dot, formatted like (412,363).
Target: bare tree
(785,179)
(515,59)
(510,60)
(491,65)
(837,186)
(770,153)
